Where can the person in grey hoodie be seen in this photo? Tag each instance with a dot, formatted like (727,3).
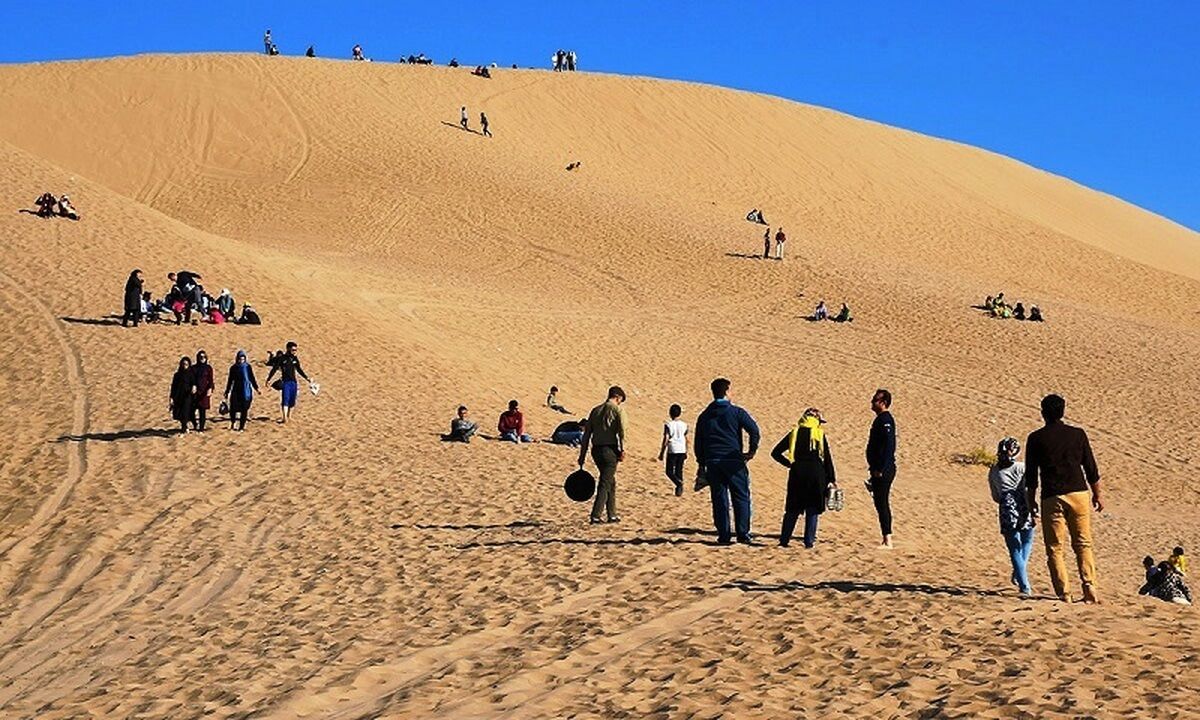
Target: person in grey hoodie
(722,462)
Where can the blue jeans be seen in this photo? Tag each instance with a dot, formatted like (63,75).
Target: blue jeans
(572,438)
(512,437)
(730,480)
(1020,545)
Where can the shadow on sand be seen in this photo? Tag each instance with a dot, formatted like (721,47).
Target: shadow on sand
(460,128)
(584,541)
(106,320)
(853,586)
(515,524)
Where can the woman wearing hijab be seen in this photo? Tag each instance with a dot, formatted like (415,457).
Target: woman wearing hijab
(805,452)
(202,381)
(239,391)
(133,299)
(182,390)
(1007,481)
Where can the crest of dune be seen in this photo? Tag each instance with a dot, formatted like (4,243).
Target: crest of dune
(351,565)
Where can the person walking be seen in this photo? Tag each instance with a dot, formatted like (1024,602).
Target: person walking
(881,461)
(674,446)
(721,462)
(268,42)
(202,383)
(484,122)
(462,118)
(605,432)
(767,244)
(133,299)
(780,239)
(182,392)
(805,452)
(1059,459)
(239,391)
(1007,482)
(288,367)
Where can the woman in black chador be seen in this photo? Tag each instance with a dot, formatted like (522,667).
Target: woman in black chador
(182,392)
(805,452)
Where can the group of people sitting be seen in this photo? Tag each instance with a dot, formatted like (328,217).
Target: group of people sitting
(1165,580)
(50,206)
(997,307)
(511,425)
(420,59)
(822,313)
(186,294)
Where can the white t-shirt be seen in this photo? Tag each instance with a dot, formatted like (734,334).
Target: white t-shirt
(676,437)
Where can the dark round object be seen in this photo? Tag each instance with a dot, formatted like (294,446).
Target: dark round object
(580,485)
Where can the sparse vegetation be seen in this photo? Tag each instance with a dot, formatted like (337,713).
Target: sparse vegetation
(977,456)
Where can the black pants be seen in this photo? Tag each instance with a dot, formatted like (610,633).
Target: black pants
(675,467)
(135,315)
(881,488)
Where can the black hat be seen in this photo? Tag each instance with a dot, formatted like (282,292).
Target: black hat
(580,485)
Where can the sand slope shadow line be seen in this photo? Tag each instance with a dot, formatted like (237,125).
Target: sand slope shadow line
(473,526)
(106,320)
(583,541)
(115,435)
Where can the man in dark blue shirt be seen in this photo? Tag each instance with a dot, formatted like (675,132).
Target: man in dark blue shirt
(722,462)
(881,460)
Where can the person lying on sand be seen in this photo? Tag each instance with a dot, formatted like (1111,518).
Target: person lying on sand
(67,210)
(569,433)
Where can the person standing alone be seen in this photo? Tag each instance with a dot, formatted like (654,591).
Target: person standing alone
(462,118)
(881,461)
(1059,457)
(674,446)
(605,432)
(288,367)
(133,299)
(721,461)
(780,239)
(767,244)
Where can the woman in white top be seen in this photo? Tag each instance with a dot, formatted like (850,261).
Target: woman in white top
(674,446)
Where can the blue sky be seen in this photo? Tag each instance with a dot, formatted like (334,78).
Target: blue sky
(1104,92)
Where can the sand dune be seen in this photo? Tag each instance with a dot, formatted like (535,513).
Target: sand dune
(352,566)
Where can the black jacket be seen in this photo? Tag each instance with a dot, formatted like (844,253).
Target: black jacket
(133,293)
(881,445)
(809,475)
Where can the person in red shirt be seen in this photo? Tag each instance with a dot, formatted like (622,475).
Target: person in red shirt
(512,425)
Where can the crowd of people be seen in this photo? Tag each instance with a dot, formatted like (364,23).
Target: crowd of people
(192,387)
(998,307)
(186,295)
(49,206)
(564,61)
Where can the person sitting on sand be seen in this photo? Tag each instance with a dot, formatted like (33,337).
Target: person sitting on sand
(67,210)
(512,424)
(844,315)
(310,52)
(1168,586)
(1007,482)
(569,433)
(822,312)
(45,205)
(1019,311)
(149,308)
(552,401)
(356,53)
(1178,561)
(1035,314)
(249,316)
(756,216)
(1151,569)
(226,303)
(989,303)
(461,428)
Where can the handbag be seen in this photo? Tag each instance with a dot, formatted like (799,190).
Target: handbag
(834,499)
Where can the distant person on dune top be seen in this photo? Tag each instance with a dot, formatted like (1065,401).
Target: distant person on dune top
(1059,459)
(605,433)
(133,299)
(721,462)
(780,239)
(267,41)
(239,391)
(310,52)
(356,53)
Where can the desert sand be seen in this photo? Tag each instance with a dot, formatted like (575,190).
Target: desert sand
(349,565)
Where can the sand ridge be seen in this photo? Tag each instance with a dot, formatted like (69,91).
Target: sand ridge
(352,566)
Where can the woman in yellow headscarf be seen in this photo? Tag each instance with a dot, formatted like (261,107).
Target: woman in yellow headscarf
(805,452)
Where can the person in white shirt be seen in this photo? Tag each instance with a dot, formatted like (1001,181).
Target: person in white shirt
(674,447)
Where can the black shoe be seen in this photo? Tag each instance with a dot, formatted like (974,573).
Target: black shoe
(783,543)
(596,521)
(748,541)
(724,541)
(615,519)
(678,489)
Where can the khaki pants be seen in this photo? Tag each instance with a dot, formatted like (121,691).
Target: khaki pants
(1068,517)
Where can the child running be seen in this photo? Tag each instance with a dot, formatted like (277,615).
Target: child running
(674,446)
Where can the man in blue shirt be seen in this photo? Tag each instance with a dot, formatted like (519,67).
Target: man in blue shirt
(722,461)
